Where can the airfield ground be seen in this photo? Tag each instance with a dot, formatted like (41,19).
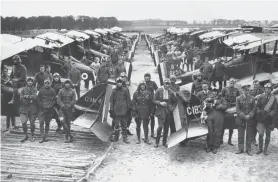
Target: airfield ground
(55,160)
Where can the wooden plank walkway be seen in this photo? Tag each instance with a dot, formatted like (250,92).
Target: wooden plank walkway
(50,161)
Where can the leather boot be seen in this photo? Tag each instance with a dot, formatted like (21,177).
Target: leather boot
(71,139)
(8,118)
(46,130)
(230,137)
(125,140)
(117,135)
(158,135)
(124,133)
(239,151)
(265,148)
(66,137)
(138,131)
(24,126)
(146,140)
(230,142)
(261,143)
(13,122)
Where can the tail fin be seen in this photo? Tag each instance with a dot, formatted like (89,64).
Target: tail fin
(186,118)
(90,106)
(94,106)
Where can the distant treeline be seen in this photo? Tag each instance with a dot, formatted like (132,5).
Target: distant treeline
(57,22)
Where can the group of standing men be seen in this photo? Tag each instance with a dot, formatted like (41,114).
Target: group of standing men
(255,110)
(148,101)
(43,97)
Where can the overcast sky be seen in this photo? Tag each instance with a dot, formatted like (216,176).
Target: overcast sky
(135,10)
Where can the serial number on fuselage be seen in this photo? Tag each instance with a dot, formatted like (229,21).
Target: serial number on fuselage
(193,110)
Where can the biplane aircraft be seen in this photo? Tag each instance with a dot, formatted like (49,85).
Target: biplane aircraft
(257,60)
(91,108)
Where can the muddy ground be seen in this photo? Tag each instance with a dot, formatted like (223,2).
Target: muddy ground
(144,163)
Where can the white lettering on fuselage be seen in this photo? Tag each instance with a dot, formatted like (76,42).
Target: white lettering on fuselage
(193,110)
(92,100)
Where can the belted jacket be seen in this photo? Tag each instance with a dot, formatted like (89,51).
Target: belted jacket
(245,105)
(47,97)
(66,98)
(120,101)
(28,98)
(161,111)
(264,114)
(230,94)
(142,103)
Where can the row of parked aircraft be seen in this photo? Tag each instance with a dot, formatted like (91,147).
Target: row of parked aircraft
(247,57)
(55,49)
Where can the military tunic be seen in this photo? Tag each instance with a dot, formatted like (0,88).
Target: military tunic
(164,114)
(47,99)
(39,79)
(66,101)
(197,86)
(215,121)
(28,107)
(152,87)
(120,103)
(245,106)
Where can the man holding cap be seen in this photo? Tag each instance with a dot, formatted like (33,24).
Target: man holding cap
(28,108)
(266,109)
(245,107)
(230,93)
(66,101)
(152,87)
(165,102)
(47,99)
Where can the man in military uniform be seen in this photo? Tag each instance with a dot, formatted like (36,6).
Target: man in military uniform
(219,71)
(205,93)
(255,92)
(230,93)
(173,86)
(40,77)
(175,89)
(152,87)
(266,109)
(126,84)
(75,77)
(18,77)
(215,108)
(57,85)
(165,102)
(119,69)
(142,106)
(245,107)
(120,103)
(103,73)
(47,99)
(197,84)
(66,101)
(207,71)
(28,108)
